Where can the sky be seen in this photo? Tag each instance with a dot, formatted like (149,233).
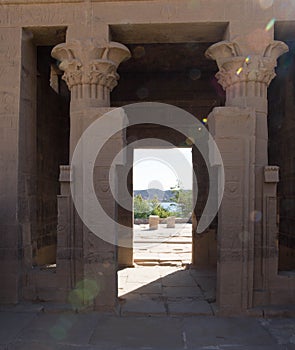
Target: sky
(162,168)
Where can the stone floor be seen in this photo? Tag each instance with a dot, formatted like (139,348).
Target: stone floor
(162,308)
(30,327)
(166,290)
(165,246)
(161,283)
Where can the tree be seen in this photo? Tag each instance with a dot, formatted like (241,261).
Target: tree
(157,209)
(142,208)
(184,199)
(154,203)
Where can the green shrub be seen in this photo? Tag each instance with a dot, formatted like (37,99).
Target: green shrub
(141,207)
(161,212)
(144,208)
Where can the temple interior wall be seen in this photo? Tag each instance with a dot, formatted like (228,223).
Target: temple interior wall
(282,150)
(52,151)
(34,116)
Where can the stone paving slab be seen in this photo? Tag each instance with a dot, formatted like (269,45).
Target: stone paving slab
(145,275)
(41,346)
(139,333)
(63,328)
(170,245)
(92,331)
(241,347)
(189,307)
(230,332)
(135,305)
(25,307)
(153,288)
(281,329)
(149,242)
(169,256)
(168,270)
(183,279)
(163,245)
(182,292)
(12,323)
(38,346)
(160,287)
(142,256)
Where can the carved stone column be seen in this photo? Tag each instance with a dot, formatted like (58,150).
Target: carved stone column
(90,69)
(86,261)
(246,77)
(245,74)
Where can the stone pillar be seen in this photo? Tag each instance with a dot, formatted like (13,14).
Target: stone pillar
(90,70)
(171,222)
(245,72)
(125,217)
(17,160)
(233,129)
(10,66)
(154,222)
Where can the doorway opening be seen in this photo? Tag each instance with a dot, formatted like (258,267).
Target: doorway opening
(175,73)
(162,206)
(163,280)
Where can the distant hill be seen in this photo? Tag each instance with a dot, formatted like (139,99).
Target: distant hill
(163,196)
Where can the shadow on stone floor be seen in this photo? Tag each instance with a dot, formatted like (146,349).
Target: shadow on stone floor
(169,290)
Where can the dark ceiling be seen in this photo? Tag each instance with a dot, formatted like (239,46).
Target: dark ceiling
(176,57)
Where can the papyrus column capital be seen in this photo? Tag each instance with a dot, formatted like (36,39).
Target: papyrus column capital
(90,68)
(244,75)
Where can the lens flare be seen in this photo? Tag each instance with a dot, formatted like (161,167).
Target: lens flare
(58,333)
(247,60)
(270,24)
(195,74)
(89,145)
(138,52)
(205,120)
(84,293)
(239,71)
(60,330)
(256,216)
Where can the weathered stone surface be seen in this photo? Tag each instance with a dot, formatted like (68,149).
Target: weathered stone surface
(171,222)
(154,222)
(36,136)
(90,69)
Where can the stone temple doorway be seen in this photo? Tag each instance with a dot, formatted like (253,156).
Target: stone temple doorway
(162,206)
(163,279)
(177,74)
